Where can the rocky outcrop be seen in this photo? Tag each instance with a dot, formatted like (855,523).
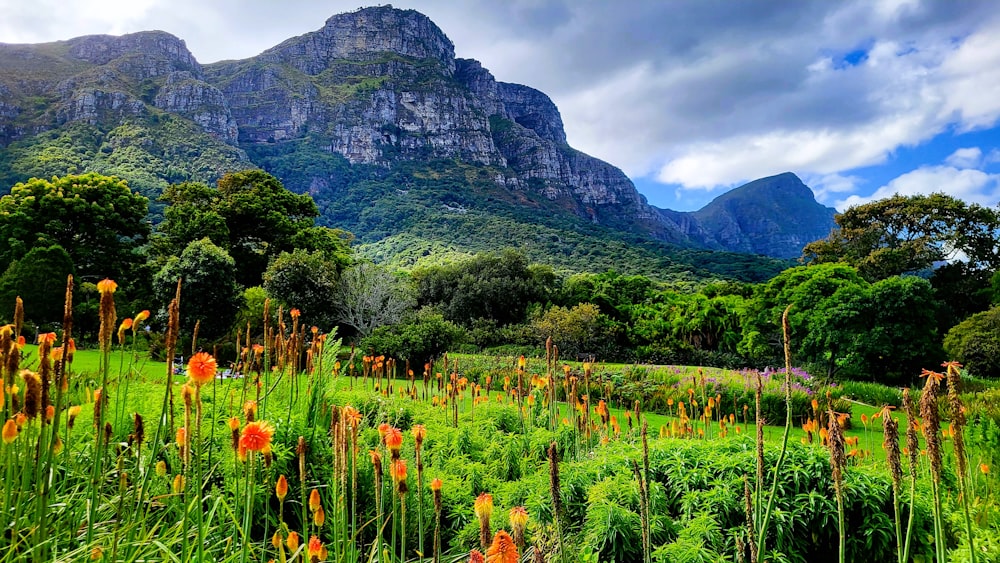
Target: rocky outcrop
(185,95)
(775,216)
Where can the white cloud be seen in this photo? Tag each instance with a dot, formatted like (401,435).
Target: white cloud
(974,186)
(969,157)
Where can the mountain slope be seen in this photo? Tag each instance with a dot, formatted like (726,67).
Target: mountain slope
(374,117)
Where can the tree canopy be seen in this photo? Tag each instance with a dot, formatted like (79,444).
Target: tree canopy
(902,234)
(97,220)
(253,217)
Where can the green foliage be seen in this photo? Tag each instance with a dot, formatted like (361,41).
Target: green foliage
(874,394)
(419,339)
(498,286)
(97,219)
(39,279)
(253,217)
(901,234)
(306,281)
(575,329)
(975,342)
(209,291)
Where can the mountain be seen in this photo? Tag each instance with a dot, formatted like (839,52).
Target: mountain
(773,216)
(417,152)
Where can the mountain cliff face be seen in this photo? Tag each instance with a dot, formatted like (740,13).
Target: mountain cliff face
(375,89)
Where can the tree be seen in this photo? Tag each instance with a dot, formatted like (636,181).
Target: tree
(575,330)
(903,234)
(40,280)
(306,281)
(369,297)
(253,217)
(499,286)
(97,219)
(420,338)
(208,288)
(975,342)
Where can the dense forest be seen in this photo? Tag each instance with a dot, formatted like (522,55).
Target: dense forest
(901,284)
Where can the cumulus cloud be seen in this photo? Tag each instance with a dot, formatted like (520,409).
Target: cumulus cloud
(965,158)
(974,186)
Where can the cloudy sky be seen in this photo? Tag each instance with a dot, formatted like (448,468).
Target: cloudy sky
(860,98)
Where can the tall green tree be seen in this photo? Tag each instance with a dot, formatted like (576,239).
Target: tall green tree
(494,285)
(253,217)
(306,281)
(98,220)
(902,234)
(39,279)
(209,292)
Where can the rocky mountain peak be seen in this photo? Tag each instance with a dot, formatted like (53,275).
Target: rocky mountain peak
(155,53)
(368,34)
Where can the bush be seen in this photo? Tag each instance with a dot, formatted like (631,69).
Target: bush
(975,342)
(874,394)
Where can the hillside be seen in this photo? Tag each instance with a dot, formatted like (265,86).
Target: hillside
(415,151)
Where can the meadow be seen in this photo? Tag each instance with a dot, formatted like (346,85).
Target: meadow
(303,449)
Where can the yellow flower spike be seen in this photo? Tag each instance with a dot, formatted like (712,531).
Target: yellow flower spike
(161,468)
(281,488)
(292,542)
(178,485)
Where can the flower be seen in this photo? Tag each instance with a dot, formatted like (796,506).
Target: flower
(161,468)
(518,517)
(234,423)
(281,488)
(483,506)
(932,374)
(353,416)
(143,315)
(9,431)
(319,517)
(314,501)
(983,468)
(126,324)
(181,436)
(476,556)
(106,286)
(256,436)
(398,470)
(201,368)
(436,484)
(315,547)
(419,432)
(502,550)
(292,541)
(178,483)
(393,439)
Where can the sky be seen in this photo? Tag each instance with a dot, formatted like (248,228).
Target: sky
(860,98)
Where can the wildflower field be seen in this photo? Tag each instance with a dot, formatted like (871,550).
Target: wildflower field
(302,449)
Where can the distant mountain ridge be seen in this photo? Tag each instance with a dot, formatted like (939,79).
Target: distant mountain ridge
(336,111)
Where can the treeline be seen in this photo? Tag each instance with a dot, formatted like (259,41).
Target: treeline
(883,297)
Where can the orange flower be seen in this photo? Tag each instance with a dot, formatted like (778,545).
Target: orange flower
(181,436)
(178,483)
(419,432)
(281,488)
(256,436)
(294,313)
(483,506)
(398,470)
(983,468)
(314,501)
(933,374)
(234,423)
(393,439)
(201,368)
(126,324)
(864,419)
(9,431)
(383,429)
(143,315)
(352,415)
(436,484)
(47,337)
(106,286)
(319,517)
(315,547)
(476,556)
(276,540)
(502,550)
(293,541)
